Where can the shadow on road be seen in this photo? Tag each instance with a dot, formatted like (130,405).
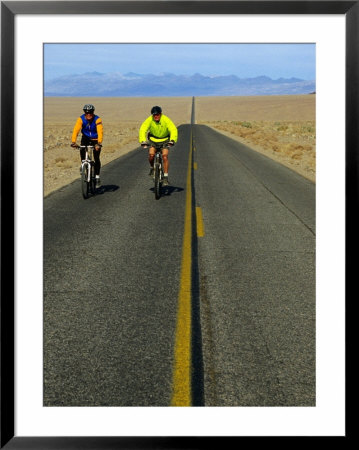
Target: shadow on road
(168,190)
(107,188)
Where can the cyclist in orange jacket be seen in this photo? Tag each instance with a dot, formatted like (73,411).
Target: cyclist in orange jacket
(91,128)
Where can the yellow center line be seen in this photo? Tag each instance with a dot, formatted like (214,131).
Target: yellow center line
(199,220)
(195,166)
(181,389)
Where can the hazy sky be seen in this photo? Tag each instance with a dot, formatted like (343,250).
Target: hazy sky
(243,60)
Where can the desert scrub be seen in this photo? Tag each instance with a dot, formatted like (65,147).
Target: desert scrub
(309,129)
(282,127)
(291,140)
(64,164)
(269,130)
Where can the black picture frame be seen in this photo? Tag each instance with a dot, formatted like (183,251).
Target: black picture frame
(9,9)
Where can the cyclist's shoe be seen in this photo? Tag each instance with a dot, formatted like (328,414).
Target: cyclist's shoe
(152,172)
(98,182)
(165,181)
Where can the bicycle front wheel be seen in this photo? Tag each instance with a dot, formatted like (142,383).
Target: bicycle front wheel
(85,188)
(157,182)
(93,180)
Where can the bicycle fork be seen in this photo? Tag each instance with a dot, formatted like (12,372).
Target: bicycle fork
(158,162)
(86,164)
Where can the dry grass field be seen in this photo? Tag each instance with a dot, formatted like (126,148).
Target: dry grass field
(281,127)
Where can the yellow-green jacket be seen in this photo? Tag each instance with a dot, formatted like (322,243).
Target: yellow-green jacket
(158,131)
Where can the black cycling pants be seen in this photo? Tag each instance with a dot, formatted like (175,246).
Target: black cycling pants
(96,153)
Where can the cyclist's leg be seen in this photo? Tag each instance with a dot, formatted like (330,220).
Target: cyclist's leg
(84,141)
(151,155)
(166,163)
(96,156)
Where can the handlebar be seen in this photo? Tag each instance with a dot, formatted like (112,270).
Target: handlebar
(83,146)
(157,144)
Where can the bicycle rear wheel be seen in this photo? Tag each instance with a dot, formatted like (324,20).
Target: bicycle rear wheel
(85,188)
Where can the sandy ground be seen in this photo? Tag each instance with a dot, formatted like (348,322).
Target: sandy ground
(281,127)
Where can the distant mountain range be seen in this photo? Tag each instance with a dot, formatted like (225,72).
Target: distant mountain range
(95,84)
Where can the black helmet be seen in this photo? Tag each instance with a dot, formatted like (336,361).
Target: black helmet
(156,110)
(89,108)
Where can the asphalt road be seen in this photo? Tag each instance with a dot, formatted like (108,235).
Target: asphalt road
(112,277)
(257,276)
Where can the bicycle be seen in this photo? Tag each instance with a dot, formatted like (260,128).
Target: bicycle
(158,165)
(88,178)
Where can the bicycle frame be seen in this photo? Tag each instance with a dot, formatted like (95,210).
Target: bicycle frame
(159,146)
(158,160)
(158,168)
(88,160)
(87,171)
(157,165)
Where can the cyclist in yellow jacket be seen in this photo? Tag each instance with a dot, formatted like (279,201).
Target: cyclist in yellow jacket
(158,128)
(91,128)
